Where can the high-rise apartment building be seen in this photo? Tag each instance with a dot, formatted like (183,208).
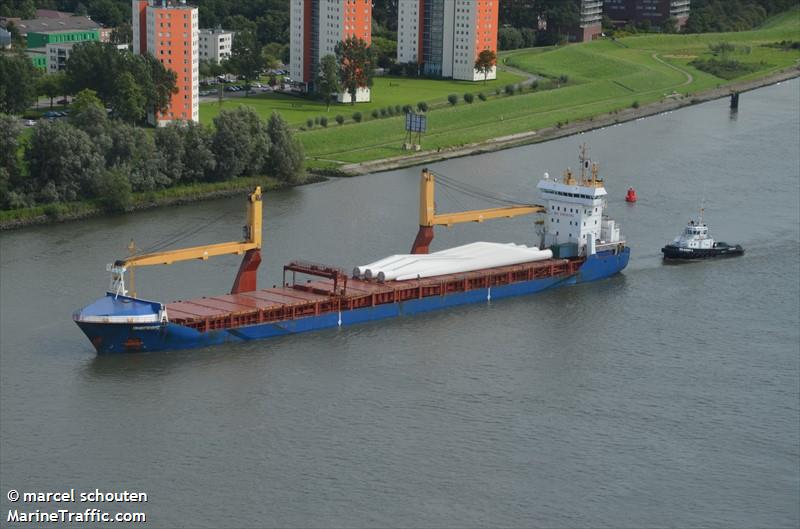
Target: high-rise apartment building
(168,30)
(657,12)
(316,27)
(445,37)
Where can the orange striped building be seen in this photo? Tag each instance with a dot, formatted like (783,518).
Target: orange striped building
(169,31)
(316,27)
(445,37)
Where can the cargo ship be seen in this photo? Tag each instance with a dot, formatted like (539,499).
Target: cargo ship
(578,243)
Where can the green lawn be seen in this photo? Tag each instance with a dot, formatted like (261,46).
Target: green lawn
(385,91)
(603,76)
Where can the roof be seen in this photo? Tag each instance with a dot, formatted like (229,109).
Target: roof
(51,25)
(52,13)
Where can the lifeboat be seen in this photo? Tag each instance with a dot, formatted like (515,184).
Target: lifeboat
(631,196)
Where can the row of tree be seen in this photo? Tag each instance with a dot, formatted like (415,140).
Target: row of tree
(732,15)
(126,83)
(90,156)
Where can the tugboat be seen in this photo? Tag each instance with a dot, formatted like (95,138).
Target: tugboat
(631,196)
(696,243)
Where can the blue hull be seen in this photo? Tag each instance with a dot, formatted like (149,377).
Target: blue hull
(124,337)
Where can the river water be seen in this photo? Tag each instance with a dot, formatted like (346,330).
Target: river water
(665,396)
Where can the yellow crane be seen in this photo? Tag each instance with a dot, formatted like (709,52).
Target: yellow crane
(428,218)
(250,247)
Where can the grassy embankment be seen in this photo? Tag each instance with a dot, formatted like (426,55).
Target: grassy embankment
(385,91)
(604,76)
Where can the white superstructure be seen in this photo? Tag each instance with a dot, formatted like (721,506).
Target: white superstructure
(575,211)
(695,235)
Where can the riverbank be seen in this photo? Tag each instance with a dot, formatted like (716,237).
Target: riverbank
(10,220)
(567,129)
(15,219)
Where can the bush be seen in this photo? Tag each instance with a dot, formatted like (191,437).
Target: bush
(390,111)
(452,99)
(510,89)
(469,98)
(114,189)
(407,109)
(398,109)
(323,121)
(310,123)
(534,84)
(340,119)
(376,114)
(316,120)
(724,68)
(635,104)
(497,91)
(357,117)
(422,106)
(482,96)
(563,79)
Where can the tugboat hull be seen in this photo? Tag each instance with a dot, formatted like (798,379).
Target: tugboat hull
(678,253)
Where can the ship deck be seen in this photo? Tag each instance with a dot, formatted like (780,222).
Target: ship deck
(331,290)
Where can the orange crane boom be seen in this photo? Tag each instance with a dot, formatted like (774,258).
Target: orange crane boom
(428,218)
(250,247)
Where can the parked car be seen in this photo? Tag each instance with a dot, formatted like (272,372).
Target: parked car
(51,114)
(63,101)
(29,122)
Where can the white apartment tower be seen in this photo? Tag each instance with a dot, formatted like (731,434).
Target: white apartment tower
(316,27)
(445,37)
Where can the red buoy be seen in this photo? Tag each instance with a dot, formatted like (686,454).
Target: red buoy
(631,196)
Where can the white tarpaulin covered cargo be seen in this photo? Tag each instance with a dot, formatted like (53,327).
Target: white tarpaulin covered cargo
(467,258)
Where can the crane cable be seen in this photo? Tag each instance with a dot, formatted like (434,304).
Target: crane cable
(477,192)
(176,238)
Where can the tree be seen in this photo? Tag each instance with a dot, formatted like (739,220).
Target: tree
(356,64)
(422,106)
(485,62)
(94,65)
(286,154)
(52,85)
(89,115)
(169,143)
(129,102)
(17,83)
(510,39)
(385,50)
(198,159)
(99,66)
(135,148)
(246,58)
(10,171)
(114,189)
(240,143)
(327,82)
(158,83)
(63,161)
(122,34)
